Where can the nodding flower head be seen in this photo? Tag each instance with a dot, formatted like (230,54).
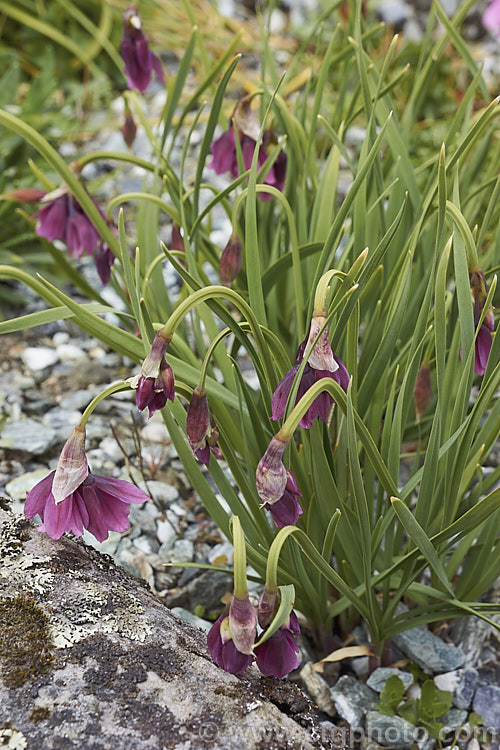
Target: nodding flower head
(139,61)
(63,218)
(287,510)
(479,292)
(201,430)
(155,383)
(322,363)
(223,649)
(280,655)
(271,476)
(71,498)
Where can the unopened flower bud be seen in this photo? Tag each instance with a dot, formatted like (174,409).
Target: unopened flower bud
(271,476)
(129,129)
(230,260)
(242,624)
(24,195)
(198,419)
(422,392)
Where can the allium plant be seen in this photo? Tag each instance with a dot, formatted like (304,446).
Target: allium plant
(358,465)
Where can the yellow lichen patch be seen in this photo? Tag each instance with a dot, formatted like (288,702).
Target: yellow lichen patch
(26,647)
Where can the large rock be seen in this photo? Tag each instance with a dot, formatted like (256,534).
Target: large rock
(90,658)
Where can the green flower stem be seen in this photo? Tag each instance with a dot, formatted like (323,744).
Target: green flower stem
(211,292)
(138,196)
(240,559)
(208,354)
(52,157)
(321,294)
(333,388)
(114,388)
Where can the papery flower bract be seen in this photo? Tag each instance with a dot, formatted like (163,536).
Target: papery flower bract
(279,655)
(479,292)
(422,391)
(271,476)
(230,260)
(222,648)
(286,510)
(99,504)
(491,16)
(322,363)
(266,607)
(138,58)
(242,624)
(155,382)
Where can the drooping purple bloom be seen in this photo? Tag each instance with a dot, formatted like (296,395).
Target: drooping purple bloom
(155,382)
(279,655)
(491,16)
(129,128)
(286,511)
(63,218)
(322,363)
(479,292)
(71,498)
(222,648)
(224,158)
(201,430)
(139,61)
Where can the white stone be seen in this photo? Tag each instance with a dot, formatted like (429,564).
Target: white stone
(37,358)
(18,487)
(166,532)
(70,353)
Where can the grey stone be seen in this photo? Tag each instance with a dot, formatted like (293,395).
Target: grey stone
(487,703)
(111,447)
(461,683)
(429,651)
(206,589)
(166,534)
(379,677)
(352,699)
(318,688)
(147,544)
(391,731)
(161,491)
(62,421)
(79,399)
(124,672)
(453,719)
(70,353)
(393,12)
(18,487)
(38,358)
(222,553)
(28,436)
(197,622)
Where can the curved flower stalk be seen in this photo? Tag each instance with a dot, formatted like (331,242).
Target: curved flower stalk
(322,363)
(155,382)
(479,291)
(71,498)
(139,61)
